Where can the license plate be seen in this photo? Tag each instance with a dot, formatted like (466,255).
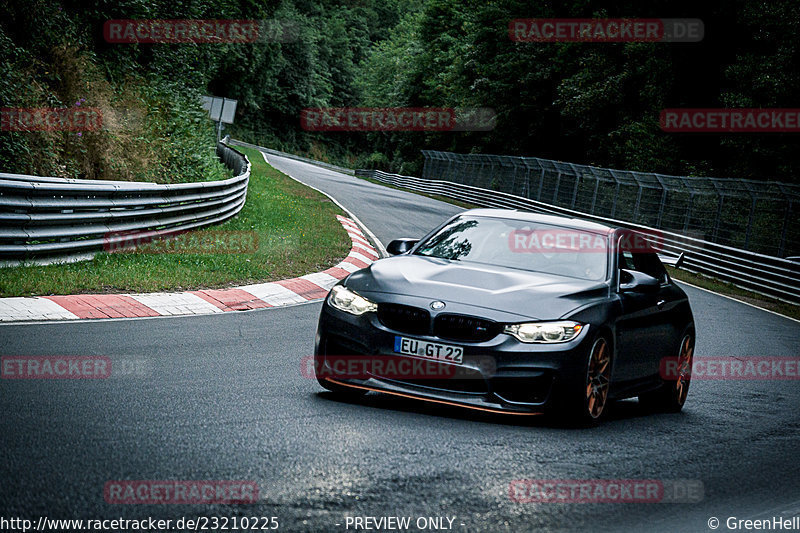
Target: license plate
(429,350)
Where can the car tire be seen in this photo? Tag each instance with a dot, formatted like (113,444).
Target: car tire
(670,397)
(586,403)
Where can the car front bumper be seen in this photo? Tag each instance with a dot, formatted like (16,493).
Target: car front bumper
(498,375)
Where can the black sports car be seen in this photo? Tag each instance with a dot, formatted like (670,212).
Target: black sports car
(512,312)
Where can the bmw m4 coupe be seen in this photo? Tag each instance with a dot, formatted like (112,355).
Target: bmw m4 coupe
(512,312)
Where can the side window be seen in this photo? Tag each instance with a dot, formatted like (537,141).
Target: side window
(626,260)
(641,261)
(649,264)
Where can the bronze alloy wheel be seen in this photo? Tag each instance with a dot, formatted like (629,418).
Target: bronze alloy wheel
(671,395)
(598,378)
(685,359)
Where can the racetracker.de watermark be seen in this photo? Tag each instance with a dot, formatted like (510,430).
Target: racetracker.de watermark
(181,242)
(733,120)
(398,119)
(55,367)
(180,492)
(50,119)
(199,31)
(606,491)
(550,240)
(395,367)
(733,368)
(605,30)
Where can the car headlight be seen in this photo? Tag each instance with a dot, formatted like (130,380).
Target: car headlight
(346,300)
(545,332)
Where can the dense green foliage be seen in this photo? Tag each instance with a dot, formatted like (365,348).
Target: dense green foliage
(595,103)
(52,54)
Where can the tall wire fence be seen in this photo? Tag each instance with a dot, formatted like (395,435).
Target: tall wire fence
(759,216)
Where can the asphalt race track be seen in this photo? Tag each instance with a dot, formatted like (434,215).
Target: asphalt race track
(223,397)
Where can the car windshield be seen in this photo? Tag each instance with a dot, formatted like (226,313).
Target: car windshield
(522,245)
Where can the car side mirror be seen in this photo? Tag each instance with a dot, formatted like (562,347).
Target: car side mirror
(401,246)
(634,281)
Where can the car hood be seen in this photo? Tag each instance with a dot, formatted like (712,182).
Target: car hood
(534,295)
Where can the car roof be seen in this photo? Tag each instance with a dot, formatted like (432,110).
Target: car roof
(575,223)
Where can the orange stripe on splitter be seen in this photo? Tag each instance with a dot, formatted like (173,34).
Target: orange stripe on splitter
(445,402)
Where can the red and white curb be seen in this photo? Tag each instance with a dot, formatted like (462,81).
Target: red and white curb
(260,295)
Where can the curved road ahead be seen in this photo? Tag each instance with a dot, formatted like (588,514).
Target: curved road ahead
(223,397)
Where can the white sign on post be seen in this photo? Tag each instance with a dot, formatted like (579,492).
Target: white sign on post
(216,109)
(228,110)
(220,110)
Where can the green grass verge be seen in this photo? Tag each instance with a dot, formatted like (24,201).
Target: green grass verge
(759,300)
(295,229)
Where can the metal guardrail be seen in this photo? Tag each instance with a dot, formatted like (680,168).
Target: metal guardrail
(759,216)
(56,219)
(322,164)
(763,274)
